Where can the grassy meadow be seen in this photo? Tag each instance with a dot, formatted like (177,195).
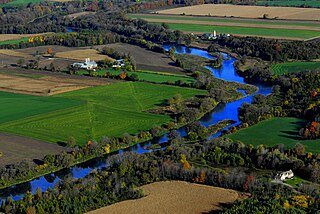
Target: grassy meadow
(287,33)
(18,3)
(149,76)
(109,110)
(14,41)
(292,67)
(290,3)
(19,106)
(276,131)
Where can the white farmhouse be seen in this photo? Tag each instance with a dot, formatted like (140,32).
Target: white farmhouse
(119,63)
(285,175)
(88,64)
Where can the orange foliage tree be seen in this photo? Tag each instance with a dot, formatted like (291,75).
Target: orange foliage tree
(49,51)
(123,75)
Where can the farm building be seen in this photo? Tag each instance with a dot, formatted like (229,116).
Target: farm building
(88,65)
(119,63)
(285,175)
(209,36)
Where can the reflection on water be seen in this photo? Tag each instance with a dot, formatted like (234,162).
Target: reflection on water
(221,112)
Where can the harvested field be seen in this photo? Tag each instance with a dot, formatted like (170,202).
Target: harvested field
(13,53)
(81,54)
(148,60)
(43,49)
(64,56)
(43,85)
(39,86)
(247,11)
(175,197)
(6,37)
(16,148)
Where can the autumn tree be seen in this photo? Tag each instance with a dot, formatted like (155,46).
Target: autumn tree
(123,75)
(49,51)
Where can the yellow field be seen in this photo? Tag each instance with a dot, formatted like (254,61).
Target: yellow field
(177,197)
(289,13)
(82,54)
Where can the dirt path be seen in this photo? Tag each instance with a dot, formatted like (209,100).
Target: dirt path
(176,197)
(227,10)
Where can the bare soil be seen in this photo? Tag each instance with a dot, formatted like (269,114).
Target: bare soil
(147,60)
(16,149)
(176,197)
(227,10)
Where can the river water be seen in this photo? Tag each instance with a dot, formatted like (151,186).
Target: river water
(221,112)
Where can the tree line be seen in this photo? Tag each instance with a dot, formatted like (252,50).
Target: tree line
(125,172)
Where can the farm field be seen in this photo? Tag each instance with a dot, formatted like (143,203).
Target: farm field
(147,60)
(16,38)
(290,3)
(175,197)
(109,110)
(81,54)
(13,53)
(226,10)
(27,149)
(19,106)
(276,131)
(292,67)
(149,76)
(266,23)
(41,85)
(19,3)
(245,31)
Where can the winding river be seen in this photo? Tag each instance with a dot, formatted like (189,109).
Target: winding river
(221,112)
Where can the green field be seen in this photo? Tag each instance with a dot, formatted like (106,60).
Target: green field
(291,3)
(163,18)
(276,131)
(149,76)
(18,3)
(292,67)
(109,110)
(18,106)
(197,28)
(12,42)
(255,31)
